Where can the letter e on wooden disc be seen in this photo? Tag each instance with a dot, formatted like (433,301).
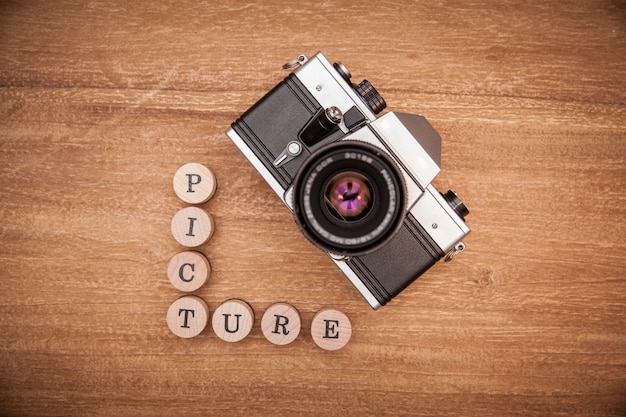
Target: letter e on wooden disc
(331,329)
(188,271)
(188,316)
(194,183)
(281,324)
(233,320)
(192,226)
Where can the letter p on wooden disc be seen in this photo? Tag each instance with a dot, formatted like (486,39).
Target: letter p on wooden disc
(194,183)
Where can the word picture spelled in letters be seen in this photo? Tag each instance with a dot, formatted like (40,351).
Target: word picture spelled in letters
(234,319)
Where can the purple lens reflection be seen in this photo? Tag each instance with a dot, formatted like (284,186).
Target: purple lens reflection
(348,195)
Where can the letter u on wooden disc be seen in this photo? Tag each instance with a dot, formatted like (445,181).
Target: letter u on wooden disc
(233,320)
(281,324)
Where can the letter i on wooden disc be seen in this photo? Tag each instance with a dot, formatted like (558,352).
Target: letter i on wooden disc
(331,329)
(233,320)
(281,324)
(194,183)
(188,316)
(192,226)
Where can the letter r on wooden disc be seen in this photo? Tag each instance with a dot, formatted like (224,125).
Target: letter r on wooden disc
(281,324)
(194,183)
(192,226)
(331,329)
(188,316)
(188,271)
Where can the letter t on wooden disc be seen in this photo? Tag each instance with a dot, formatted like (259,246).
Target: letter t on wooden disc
(192,226)
(233,320)
(188,316)
(194,183)
(188,270)
(281,324)
(331,329)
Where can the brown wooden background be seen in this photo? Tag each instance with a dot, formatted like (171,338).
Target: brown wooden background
(101,102)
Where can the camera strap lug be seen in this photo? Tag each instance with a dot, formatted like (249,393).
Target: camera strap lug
(458,248)
(299,61)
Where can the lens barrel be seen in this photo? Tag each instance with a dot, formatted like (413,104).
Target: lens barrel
(349,198)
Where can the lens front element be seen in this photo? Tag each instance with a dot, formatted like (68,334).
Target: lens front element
(349,198)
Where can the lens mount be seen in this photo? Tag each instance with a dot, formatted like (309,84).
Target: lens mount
(349,198)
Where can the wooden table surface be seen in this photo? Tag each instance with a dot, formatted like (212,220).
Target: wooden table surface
(101,103)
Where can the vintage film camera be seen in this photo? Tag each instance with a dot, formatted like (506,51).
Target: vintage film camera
(359,186)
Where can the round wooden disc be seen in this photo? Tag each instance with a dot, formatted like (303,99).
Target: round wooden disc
(188,270)
(188,316)
(281,324)
(192,226)
(331,329)
(233,320)
(194,183)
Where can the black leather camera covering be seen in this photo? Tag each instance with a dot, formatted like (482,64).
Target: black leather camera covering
(390,269)
(274,121)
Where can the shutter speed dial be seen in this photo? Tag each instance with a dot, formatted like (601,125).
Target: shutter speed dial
(370,96)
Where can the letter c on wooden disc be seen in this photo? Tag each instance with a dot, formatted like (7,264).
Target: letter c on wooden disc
(188,271)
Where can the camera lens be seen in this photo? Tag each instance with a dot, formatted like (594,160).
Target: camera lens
(349,198)
(348,195)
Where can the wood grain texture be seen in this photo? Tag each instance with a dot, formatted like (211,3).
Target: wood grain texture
(101,103)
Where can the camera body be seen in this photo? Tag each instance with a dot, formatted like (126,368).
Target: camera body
(359,185)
